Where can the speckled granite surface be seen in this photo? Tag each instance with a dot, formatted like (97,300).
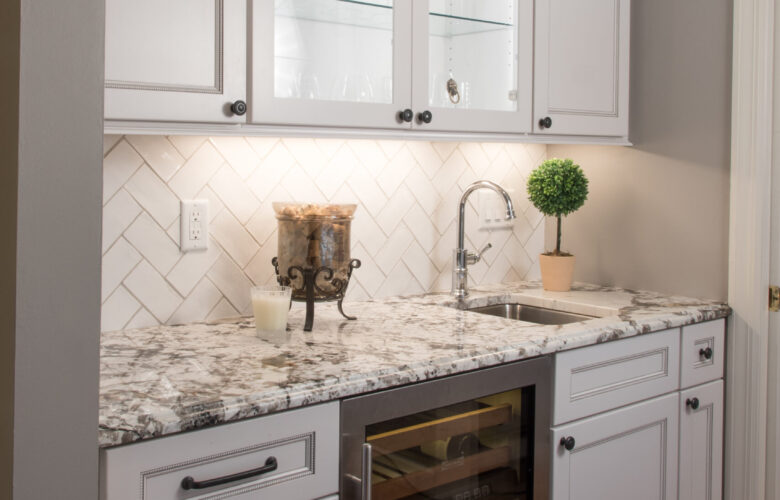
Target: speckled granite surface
(163,380)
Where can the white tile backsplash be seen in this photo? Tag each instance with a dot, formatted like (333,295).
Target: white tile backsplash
(404,228)
(118,261)
(151,288)
(159,153)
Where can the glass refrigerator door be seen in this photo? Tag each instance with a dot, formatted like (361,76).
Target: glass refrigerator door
(477,449)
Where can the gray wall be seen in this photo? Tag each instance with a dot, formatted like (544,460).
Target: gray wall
(58,249)
(657,215)
(9,142)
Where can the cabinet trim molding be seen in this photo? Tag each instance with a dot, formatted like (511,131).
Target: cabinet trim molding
(710,417)
(662,371)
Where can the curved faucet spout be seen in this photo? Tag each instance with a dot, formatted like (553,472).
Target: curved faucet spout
(462,256)
(510,209)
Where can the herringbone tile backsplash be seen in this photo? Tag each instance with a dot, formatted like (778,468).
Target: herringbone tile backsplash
(403,231)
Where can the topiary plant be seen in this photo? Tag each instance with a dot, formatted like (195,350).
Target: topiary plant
(557,188)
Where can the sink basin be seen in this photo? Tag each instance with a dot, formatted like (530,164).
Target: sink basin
(531,314)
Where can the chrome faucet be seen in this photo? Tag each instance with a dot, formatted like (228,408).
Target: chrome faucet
(462,257)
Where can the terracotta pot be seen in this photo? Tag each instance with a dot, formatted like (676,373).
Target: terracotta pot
(557,272)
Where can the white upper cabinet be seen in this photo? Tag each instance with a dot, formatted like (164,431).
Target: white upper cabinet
(175,60)
(472,65)
(581,67)
(442,66)
(331,63)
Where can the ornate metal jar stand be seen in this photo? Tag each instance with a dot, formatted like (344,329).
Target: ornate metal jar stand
(307,277)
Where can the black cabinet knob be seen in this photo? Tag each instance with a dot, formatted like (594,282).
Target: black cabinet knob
(425,117)
(545,122)
(706,353)
(238,108)
(693,403)
(406,115)
(567,442)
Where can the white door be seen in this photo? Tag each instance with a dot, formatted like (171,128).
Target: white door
(701,442)
(175,60)
(473,61)
(629,453)
(327,63)
(773,337)
(581,67)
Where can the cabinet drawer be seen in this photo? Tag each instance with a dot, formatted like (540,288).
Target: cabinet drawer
(699,364)
(605,376)
(303,443)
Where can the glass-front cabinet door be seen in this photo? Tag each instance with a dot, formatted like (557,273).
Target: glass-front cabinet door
(341,63)
(473,62)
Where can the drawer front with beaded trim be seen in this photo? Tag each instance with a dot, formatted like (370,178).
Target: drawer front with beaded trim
(291,455)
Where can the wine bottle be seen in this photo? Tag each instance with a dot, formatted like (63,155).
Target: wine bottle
(451,448)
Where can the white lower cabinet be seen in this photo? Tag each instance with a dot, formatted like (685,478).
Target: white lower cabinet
(291,455)
(626,453)
(701,442)
(641,418)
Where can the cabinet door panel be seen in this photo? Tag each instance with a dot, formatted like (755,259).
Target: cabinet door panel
(175,60)
(701,442)
(582,67)
(472,65)
(625,453)
(325,63)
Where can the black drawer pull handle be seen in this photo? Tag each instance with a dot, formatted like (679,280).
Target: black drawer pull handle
(706,353)
(189,483)
(693,403)
(568,443)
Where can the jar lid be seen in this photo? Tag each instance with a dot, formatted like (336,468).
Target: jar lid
(313,211)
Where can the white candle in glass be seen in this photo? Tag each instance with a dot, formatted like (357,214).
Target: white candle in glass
(270,305)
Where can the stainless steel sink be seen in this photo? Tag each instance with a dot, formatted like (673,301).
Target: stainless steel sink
(531,314)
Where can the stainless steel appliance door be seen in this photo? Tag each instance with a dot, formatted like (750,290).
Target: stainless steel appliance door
(533,376)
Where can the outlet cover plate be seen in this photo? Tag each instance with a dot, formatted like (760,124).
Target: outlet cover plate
(492,210)
(194,225)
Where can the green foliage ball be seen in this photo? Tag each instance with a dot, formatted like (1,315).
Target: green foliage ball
(557,187)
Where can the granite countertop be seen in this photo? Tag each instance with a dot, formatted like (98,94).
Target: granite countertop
(162,380)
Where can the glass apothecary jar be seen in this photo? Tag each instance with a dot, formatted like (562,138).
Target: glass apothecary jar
(315,236)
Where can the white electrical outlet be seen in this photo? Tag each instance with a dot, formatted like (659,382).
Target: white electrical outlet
(194,225)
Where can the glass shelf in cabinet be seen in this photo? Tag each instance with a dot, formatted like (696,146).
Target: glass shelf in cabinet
(373,14)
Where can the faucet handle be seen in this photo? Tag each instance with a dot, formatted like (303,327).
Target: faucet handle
(474,258)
